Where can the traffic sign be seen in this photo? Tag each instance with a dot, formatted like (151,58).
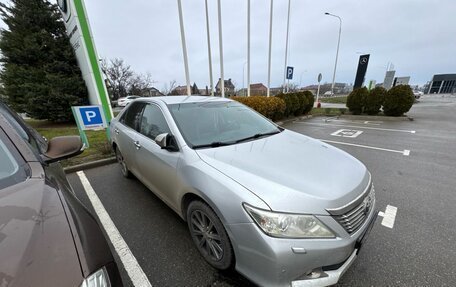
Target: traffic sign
(90,117)
(319,77)
(289,73)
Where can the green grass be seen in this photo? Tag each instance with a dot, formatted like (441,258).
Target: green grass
(334,100)
(328,111)
(99,147)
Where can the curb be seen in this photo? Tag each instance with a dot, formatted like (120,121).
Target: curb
(293,119)
(376,118)
(92,164)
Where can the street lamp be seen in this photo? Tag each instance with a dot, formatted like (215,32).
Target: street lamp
(337,53)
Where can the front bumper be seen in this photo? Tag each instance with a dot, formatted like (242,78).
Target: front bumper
(270,261)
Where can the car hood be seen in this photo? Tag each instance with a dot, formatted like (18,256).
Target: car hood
(292,172)
(36,244)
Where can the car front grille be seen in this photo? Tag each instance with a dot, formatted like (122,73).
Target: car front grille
(352,216)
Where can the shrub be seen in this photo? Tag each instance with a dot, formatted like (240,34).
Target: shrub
(292,103)
(270,107)
(303,104)
(398,100)
(374,101)
(356,100)
(310,101)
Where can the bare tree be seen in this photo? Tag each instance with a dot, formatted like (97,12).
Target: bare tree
(168,88)
(141,84)
(123,81)
(119,76)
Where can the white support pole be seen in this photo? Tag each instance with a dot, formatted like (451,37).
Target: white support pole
(337,51)
(211,81)
(222,78)
(270,47)
(184,47)
(286,49)
(248,49)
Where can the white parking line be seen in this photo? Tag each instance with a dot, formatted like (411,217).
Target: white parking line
(360,127)
(374,123)
(135,272)
(405,152)
(389,216)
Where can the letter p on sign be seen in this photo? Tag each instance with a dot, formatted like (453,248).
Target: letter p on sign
(90,117)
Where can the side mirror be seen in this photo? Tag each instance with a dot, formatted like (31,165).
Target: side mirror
(60,148)
(167,141)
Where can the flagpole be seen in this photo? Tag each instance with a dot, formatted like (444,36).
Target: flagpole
(184,47)
(270,46)
(222,78)
(248,48)
(286,48)
(209,51)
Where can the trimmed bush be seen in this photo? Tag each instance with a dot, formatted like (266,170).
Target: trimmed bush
(398,100)
(374,100)
(356,100)
(297,103)
(303,104)
(271,107)
(310,101)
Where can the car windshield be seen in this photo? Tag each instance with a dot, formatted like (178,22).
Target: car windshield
(211,124)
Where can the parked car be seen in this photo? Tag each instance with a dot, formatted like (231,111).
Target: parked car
(123,102)
(280,207)
(47,237)
(417,94)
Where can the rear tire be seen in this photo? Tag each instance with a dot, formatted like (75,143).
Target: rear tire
(123,165)
(209,235)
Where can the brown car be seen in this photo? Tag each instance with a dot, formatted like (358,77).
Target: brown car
(47,237)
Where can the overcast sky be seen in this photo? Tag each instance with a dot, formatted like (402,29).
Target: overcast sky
(417,36)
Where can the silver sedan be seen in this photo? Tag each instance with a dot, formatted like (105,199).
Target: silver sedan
(282,208)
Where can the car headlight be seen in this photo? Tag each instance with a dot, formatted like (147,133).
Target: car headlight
(288,225)
(97,279)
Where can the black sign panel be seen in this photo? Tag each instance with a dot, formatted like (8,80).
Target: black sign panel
(361,72)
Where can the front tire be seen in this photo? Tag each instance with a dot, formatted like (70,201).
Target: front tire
(123,165)
(209,235)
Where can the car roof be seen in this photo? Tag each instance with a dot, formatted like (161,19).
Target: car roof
(170,100)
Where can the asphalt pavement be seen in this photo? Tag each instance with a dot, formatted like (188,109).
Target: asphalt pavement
(413,165)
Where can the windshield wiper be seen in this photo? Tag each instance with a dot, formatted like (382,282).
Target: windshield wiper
(259,135)
(213,144)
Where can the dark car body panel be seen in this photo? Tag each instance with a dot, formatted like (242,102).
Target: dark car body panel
(47,237)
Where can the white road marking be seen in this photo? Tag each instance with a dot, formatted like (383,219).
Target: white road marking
(389,216)
(347,133)
(359,127)
(405,152)
(135,272)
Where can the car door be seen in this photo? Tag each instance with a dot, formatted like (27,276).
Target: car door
(157,167)
(126,134)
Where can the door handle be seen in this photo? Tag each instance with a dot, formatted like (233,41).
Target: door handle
(137,145)
(116,131)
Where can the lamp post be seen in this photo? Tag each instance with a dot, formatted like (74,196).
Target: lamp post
(337,53)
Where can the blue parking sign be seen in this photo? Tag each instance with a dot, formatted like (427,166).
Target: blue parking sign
(90,117)
(289,73)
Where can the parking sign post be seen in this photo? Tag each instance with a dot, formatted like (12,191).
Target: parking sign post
(88,118)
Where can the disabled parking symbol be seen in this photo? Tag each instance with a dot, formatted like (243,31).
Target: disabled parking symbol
(347,133)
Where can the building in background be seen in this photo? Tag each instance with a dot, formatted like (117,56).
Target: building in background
(389,78)
(442,84)
(401,81)
(229,88)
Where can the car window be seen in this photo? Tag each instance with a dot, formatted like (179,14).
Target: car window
(208,122)
(132,115)
(153,122)
(31,136)
(12,166)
